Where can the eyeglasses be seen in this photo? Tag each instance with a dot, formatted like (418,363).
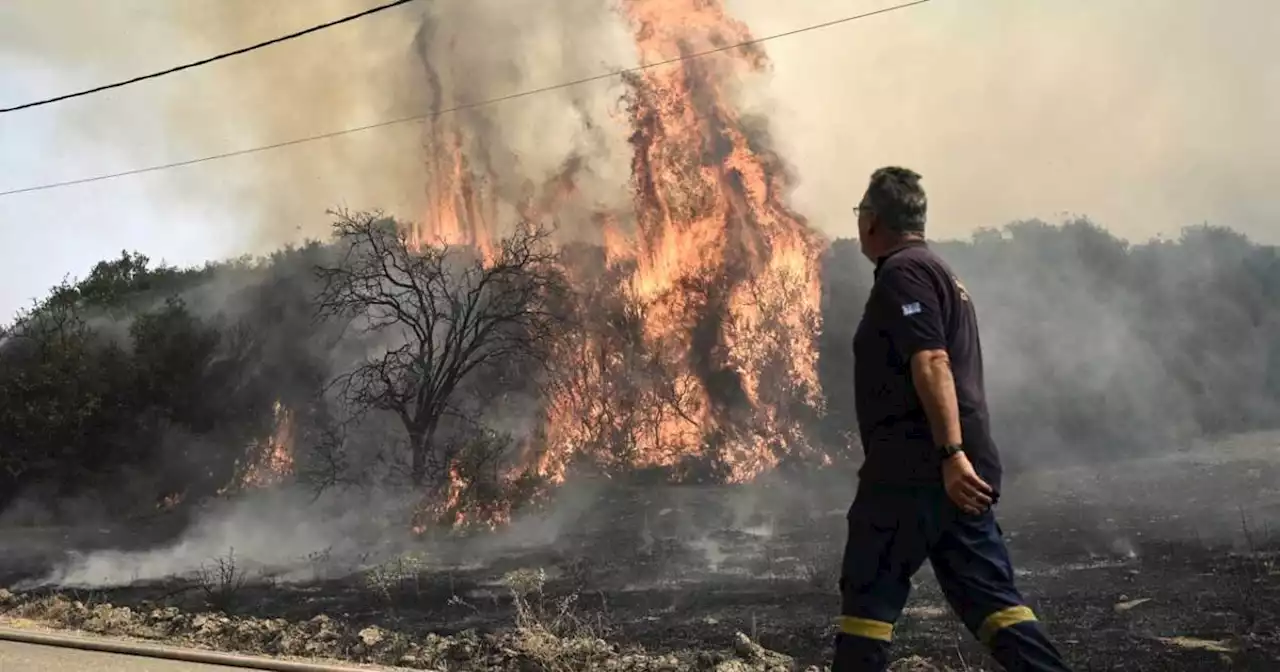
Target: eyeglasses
(859,209)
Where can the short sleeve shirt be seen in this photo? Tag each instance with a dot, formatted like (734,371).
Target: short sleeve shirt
(917,303)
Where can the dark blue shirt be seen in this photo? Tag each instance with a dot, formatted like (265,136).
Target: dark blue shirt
(917,303)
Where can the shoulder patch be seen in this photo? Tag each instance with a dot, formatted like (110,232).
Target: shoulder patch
(912,308)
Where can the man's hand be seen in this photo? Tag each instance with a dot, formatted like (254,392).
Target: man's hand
(964,486)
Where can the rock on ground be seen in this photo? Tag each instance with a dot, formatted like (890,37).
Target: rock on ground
(527,649)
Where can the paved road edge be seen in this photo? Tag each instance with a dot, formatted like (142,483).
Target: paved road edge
(168,653)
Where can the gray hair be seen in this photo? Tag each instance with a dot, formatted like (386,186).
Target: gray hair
(897,200)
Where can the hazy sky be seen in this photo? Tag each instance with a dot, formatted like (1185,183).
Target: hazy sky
(1146,115)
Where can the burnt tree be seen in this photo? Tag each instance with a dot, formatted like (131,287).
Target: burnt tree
(441,317)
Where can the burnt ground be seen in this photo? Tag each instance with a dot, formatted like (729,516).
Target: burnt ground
(1160,564)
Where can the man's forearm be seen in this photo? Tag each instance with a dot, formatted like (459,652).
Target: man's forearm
(931,375)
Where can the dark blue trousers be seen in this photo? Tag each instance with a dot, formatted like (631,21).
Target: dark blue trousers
(892,530)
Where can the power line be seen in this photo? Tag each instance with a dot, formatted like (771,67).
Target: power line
(206,61)
(465,106)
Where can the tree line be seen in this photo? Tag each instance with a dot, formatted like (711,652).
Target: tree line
(1096,348)
(405,362)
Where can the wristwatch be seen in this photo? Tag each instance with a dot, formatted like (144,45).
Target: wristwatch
(950,449)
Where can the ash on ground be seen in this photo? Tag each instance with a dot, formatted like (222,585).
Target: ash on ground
(1164,565)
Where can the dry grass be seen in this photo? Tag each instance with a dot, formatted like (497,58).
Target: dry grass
(550,637)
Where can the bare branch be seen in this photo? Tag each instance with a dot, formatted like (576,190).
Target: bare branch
(435,316)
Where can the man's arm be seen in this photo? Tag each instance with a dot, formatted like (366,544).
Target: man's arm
(917,330)
(934,383)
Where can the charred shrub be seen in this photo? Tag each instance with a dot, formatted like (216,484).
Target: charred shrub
(222,580)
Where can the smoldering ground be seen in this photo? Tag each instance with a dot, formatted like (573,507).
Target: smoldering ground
(1121,565)
(290,535)
(1212,495)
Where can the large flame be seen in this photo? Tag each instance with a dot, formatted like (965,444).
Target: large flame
(702,315)
(459,210)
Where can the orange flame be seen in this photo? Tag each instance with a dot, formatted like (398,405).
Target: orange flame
(272,461)
(452,508)
(459,210)
(701,316)
(721,275)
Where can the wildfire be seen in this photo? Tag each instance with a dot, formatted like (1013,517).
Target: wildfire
(699,346)
(457,511)
(272,460)
(459,210)
(719,274)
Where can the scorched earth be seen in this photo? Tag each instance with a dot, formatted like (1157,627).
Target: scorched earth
(1160,564)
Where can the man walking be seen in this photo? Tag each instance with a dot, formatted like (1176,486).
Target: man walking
(931,472)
